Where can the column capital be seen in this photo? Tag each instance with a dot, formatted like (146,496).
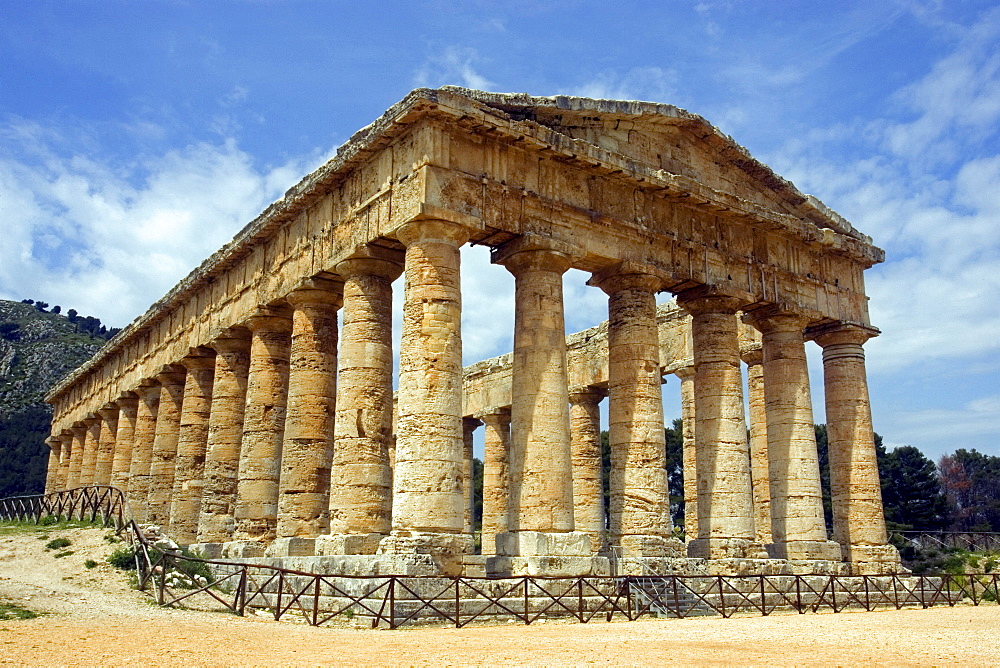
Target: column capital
(271,318)
(317,292)
(627,275)
(127,400)
(586,393)
(434,230)
(471,422)
(79,428)
(53,441)
(171,374)
(371,260)
(702,300)
(753,355)
(772,319)
(149,388)
(685,372)
(232,339)
(518,261)
(199,358)
(108,411)
(494,417)
(841,333)
(91,420)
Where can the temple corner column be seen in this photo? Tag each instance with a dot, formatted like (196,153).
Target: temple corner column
(760,477)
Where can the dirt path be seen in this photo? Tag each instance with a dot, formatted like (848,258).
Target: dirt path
(96,620)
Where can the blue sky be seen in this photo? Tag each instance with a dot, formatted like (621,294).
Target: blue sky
(137,137)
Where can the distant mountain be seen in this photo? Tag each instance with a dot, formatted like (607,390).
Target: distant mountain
(37,348)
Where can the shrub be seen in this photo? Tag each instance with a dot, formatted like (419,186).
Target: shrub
(90,563)
(49,520)
(64,554)
(123,558)
(57,543)
(9,611)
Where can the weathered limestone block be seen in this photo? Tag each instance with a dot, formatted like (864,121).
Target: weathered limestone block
(725,503)
(225,435)
(496,442)
(540,463)
(128,405)
(65,457)
(91,443)
(585,444)
(256,509)
(52,470)
(307,452)
(640,500)
(106,445)
(688,452)
(758,445)
(361,491)
(164,453)
(142,448)
(428,476)
(858,518)
(798,528)
(73,478)
(192,440)
(468,429)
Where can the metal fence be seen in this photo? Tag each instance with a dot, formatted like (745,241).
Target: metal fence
(974,541)
(393,601)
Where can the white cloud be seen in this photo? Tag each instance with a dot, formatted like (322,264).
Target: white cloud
(110,241)
(654,84)
(455,65)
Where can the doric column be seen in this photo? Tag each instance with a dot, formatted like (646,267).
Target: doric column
(496,442)
(189,465)
(52,471)
(725,502)
(307,452)
(164,454)
(106,444)
(361,489)
(91,442)
(121,463)
(639,520)
(256,510)
(225,434)
(758,445)
(427,484)
(468,429)
(541,470)
(688,456)
(79,432)
(142,447)
(798,529)
(585,447)
(858,518)
(66,437)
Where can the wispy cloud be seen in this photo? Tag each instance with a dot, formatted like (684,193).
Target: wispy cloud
(453,65)
(651,83)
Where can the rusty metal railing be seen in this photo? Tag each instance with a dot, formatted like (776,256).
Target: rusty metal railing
(394,601)
(964,540)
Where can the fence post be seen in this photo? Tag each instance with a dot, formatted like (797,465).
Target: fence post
(392,602)
(241,593)
(798,595)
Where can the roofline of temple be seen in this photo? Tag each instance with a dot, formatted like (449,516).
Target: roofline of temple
(511,108)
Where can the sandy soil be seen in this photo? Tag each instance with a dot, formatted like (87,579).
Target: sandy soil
(94,619)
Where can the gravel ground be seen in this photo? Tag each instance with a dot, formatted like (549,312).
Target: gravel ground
(93,618)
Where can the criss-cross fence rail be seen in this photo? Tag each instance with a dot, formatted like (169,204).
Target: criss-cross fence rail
(981,541)
(175,578)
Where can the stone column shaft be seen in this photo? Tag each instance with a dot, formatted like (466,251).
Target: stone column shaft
(725,503)
(468,429)
(106,445)
(858,517)
(76,456)
(585,444)
(361,494)
(428,476)
(128,405)
(758,446)
(640,498)
(798,528)
(496,441)
(192,438)
(688,455)
(307,452)
(256,510)
(66,437)
(142,448)
(52,471)
(91,443)
(225,434)
(541,470)
(164,454)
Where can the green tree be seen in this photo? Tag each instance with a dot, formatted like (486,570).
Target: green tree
(911,491)
(971,481)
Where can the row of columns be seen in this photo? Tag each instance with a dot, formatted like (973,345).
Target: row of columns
(251,438)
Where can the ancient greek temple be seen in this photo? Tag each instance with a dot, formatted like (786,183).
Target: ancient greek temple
(242,418)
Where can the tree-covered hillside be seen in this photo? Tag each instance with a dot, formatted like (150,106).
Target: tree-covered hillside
(37,348)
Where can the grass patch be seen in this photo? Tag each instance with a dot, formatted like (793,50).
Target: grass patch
(90,563)
(9,528)
(9,611)
(57,543)
(67,553)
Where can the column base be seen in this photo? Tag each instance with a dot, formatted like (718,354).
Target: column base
(243,549)
(726,548)
(349,543)
(446,550)
(538,553)
(540,543)
(881,554)
(645,545)
(291,547)
(798,550)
